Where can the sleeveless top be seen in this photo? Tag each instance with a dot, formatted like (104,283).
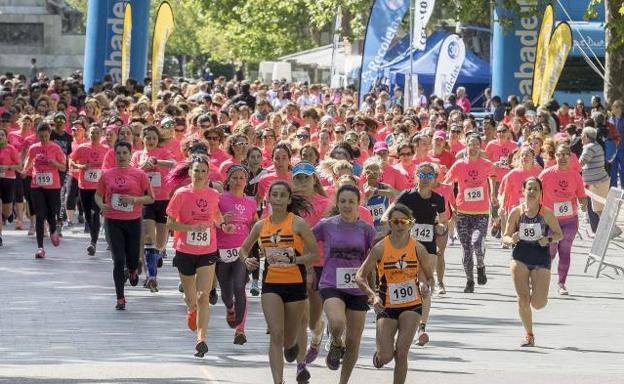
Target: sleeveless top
(528,250)
(397,274)
(281,246)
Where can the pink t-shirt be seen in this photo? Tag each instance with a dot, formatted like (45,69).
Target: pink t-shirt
(456,147)
(156,174)
(188,206)
(225,166)
(218,157)
(9,156)
(93,155)
(18,140)
(45,175)
(173,146)
(394,178)
(446,191)
(365,215)
(123,181)
(265,182)
(75,144)
(511,186)
(243,210)
(408,172)
(472,179)
(561,190)
(498,151)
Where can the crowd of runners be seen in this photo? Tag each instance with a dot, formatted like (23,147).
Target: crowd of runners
(326,208)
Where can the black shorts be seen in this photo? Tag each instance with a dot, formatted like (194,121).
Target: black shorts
(352,302)
(156,211)
(7,190)
(289,293)
(394,313)
(188,264)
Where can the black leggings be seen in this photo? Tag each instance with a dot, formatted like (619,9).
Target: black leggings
(255,252)
(125,242)
(232,279)
(46,203)
(91,212)
(27,180)
(72,193)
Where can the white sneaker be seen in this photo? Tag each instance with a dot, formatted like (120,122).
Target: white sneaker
(562,290)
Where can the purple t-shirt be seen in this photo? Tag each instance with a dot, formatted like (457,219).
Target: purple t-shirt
(345,246)
(243,210)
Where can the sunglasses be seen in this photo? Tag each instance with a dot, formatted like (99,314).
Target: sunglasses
(303,136)
(268,137)
(405,153)
(212,138)
(502,130)
(340,132)
(169,125)
(428,175)
(241,144)
(401,221)
(205,126)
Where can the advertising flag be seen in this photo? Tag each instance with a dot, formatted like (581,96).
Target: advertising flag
(450,61)
(163,28)
(383,24)
(126,39)
(422,14)
(541,54)
(558,49)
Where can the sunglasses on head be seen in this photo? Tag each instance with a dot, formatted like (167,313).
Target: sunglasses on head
(401,221)
(426,175)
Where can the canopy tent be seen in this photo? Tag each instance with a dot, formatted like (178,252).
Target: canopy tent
(475,73)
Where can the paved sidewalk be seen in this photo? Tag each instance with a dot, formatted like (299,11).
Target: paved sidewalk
(58,325)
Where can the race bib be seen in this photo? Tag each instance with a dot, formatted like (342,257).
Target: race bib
(563,208)
(422,232)
(504,161)
(155,179)
(377,210)
(474,194)
(228,255)
(119,206)
(405,292)
(198,238)
(93,175)
(530,231)
(43,179)
(2,173)
(280,257)
(345,278)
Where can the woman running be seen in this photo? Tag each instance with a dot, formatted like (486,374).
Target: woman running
(346,242)
(193,215)
(473,175)
(121,193)
(44,160)
(377,194)
(527,230)
(289,247)
(563,189)
(71,183)
(403,276)
(231,271)
(9,163)
(156,163)
(88,158)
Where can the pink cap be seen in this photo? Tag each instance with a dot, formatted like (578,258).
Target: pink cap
(561,136)
(380,146)
(113,128)
(439,135)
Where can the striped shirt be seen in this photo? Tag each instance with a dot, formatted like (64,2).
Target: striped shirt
(593,164)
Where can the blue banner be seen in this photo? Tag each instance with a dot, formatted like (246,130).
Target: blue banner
(384,22)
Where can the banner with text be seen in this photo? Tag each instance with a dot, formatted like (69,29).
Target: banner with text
(558,50)
(383,24)
(422,14)
(541,55)
(126,39)
(450,61)
(163,28)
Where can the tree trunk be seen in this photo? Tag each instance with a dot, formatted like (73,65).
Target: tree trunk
(614,58)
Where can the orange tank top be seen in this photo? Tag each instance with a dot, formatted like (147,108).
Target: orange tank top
(397,273)
(281,246)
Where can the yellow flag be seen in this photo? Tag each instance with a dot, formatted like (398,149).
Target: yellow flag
(558,50)
(542,51)
(163,28)
(125,44)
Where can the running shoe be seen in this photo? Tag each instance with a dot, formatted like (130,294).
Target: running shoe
(240,338)
(133,277)
(303,375)
(91,250)
(213,297)
(376,363)
(313,351)
(333,357)
(201,348)
(469,286)
(121,304)
(40,254)
(231,317)
(191,320)
(152,285)
(562,290)
(290,354)
(328,343)
(441,289)
(529,340)
(423,337)
(81,219)
(255,290)
(481,277)
(180,287)
(68,224)
(55,238)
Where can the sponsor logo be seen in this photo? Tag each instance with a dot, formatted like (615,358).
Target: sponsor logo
(527,33)
(114,24)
